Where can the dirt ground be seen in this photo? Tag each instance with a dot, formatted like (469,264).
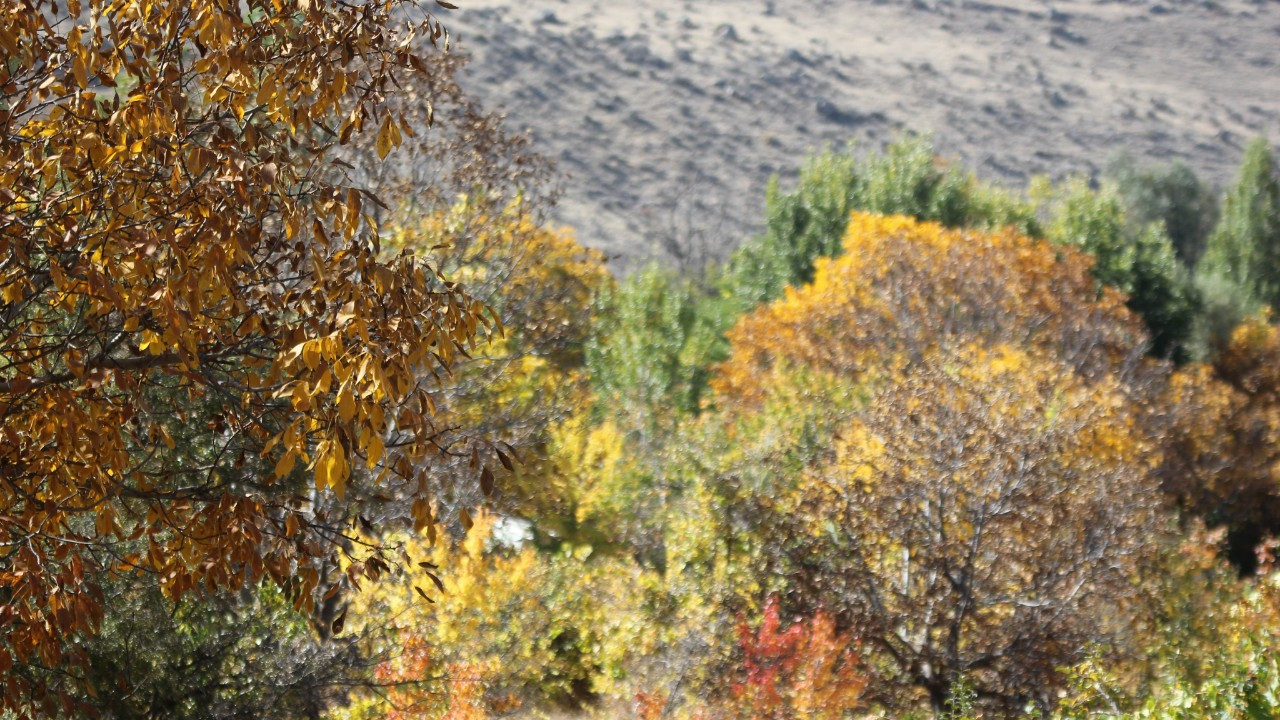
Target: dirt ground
(667,118)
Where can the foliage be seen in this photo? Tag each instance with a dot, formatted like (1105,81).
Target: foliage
(968,524)
(1170,196)
(542,285)
(233,655)
(1233,672)
(807,670)
(1223,305)
(809,223)
(1139,262)
(910,462)
(910,179)
(904,287)
(1222,458)
(506,625)
(1244,249)
(658,337)
(964,517)
(206,356)
(799,228)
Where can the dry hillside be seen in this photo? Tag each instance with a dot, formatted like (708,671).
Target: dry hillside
(667,118)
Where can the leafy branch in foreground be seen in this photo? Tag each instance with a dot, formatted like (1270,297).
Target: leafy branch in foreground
(203,349)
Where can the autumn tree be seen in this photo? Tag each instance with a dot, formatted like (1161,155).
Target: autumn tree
(990,511)
(807,669)
(974,486)
(1226,428)
(904,287)
(476,214)
(807,223)
(506,626)
(204,347)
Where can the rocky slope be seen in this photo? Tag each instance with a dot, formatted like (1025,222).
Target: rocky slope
(667,118)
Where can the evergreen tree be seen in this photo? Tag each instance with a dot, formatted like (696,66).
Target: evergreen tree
(1245,247)
(799,227)
(1142,264)
(1172,196)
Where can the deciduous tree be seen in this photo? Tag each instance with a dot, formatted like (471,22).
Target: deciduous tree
(203,346)
(904,287)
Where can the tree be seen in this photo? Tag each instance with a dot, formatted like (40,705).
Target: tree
(658,336)
(1222,456)
(231,655)
(908,178)
(800,227)
(904,287)
(204,348)
(972,486)
(507,625)
(1170,196)
(1140,263)
(1245,247)
(985,517)
(807,670)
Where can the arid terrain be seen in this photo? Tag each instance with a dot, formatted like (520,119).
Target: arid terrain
(666,119)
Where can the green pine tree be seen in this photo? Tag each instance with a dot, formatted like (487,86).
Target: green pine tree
(1244,249)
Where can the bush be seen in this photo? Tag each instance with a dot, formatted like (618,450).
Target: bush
(1172,197)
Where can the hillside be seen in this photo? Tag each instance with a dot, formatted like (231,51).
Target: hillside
(666,119)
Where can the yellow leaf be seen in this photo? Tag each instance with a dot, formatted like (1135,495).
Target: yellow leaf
(151,343)
(346,404)
(301,396)
(311,354)
(79,70)
(384,138)
(374,450)
(331,468)
(285,466)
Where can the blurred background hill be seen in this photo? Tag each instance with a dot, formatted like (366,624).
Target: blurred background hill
(667,118)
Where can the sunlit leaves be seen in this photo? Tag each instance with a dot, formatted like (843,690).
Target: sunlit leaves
(196,310)
(942,440)
(905,287)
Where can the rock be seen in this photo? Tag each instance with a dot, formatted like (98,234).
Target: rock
(639,54)
(798,57)
(726,33)
(1061,33)
(612,104)
(832,113)
(548,17)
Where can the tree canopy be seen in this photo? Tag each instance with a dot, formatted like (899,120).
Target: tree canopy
(205,347)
